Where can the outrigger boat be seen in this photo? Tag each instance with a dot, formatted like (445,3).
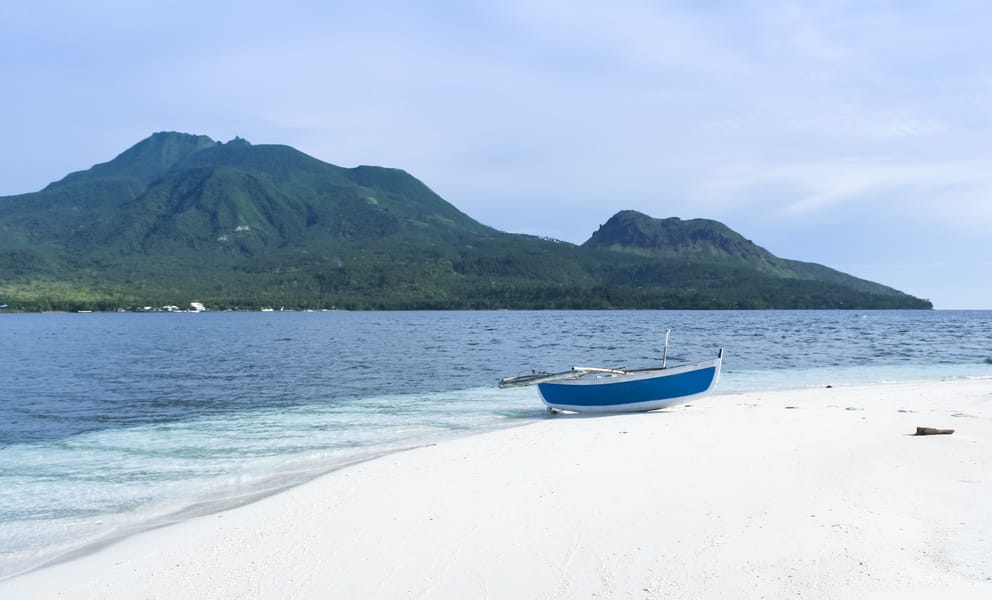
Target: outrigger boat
(592,389)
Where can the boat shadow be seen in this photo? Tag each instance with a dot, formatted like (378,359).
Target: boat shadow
(557,414)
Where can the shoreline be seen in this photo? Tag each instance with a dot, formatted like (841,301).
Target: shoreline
(818,491)
(197,510)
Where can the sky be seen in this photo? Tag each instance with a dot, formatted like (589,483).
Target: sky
(854,134)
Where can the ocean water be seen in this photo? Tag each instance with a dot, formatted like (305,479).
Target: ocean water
(115,423)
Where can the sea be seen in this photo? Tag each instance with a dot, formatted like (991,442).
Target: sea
(114,423)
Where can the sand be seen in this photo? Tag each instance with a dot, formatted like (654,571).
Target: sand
(818,493)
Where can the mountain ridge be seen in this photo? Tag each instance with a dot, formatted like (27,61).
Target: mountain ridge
(180,217)
(635,232)
(146,160)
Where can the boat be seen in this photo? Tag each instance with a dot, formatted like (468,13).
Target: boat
(592,389)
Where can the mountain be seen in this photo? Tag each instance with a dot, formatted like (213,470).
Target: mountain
(179,218)
(704,240)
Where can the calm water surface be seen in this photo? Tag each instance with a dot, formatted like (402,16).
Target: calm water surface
(111,423)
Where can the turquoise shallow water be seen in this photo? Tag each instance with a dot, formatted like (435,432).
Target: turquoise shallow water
(112,423)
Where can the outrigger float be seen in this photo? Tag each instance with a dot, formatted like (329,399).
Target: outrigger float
(593,389)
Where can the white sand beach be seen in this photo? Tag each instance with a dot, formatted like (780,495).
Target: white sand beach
(819,493)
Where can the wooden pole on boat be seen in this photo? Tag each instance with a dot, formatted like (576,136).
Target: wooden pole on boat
(664,359)
(598,370)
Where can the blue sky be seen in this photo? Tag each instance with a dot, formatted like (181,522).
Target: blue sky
(852,134)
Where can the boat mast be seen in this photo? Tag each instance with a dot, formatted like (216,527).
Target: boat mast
(664,360)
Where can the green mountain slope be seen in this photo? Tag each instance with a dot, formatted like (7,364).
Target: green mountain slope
(704,241)
(145,161)
(180,218)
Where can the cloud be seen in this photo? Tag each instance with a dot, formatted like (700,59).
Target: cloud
(953,193)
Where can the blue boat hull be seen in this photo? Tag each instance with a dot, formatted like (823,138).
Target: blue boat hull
(636,391)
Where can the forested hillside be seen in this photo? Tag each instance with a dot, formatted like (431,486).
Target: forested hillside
(180,218)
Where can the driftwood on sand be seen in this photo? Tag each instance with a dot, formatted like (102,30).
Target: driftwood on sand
(933,431)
